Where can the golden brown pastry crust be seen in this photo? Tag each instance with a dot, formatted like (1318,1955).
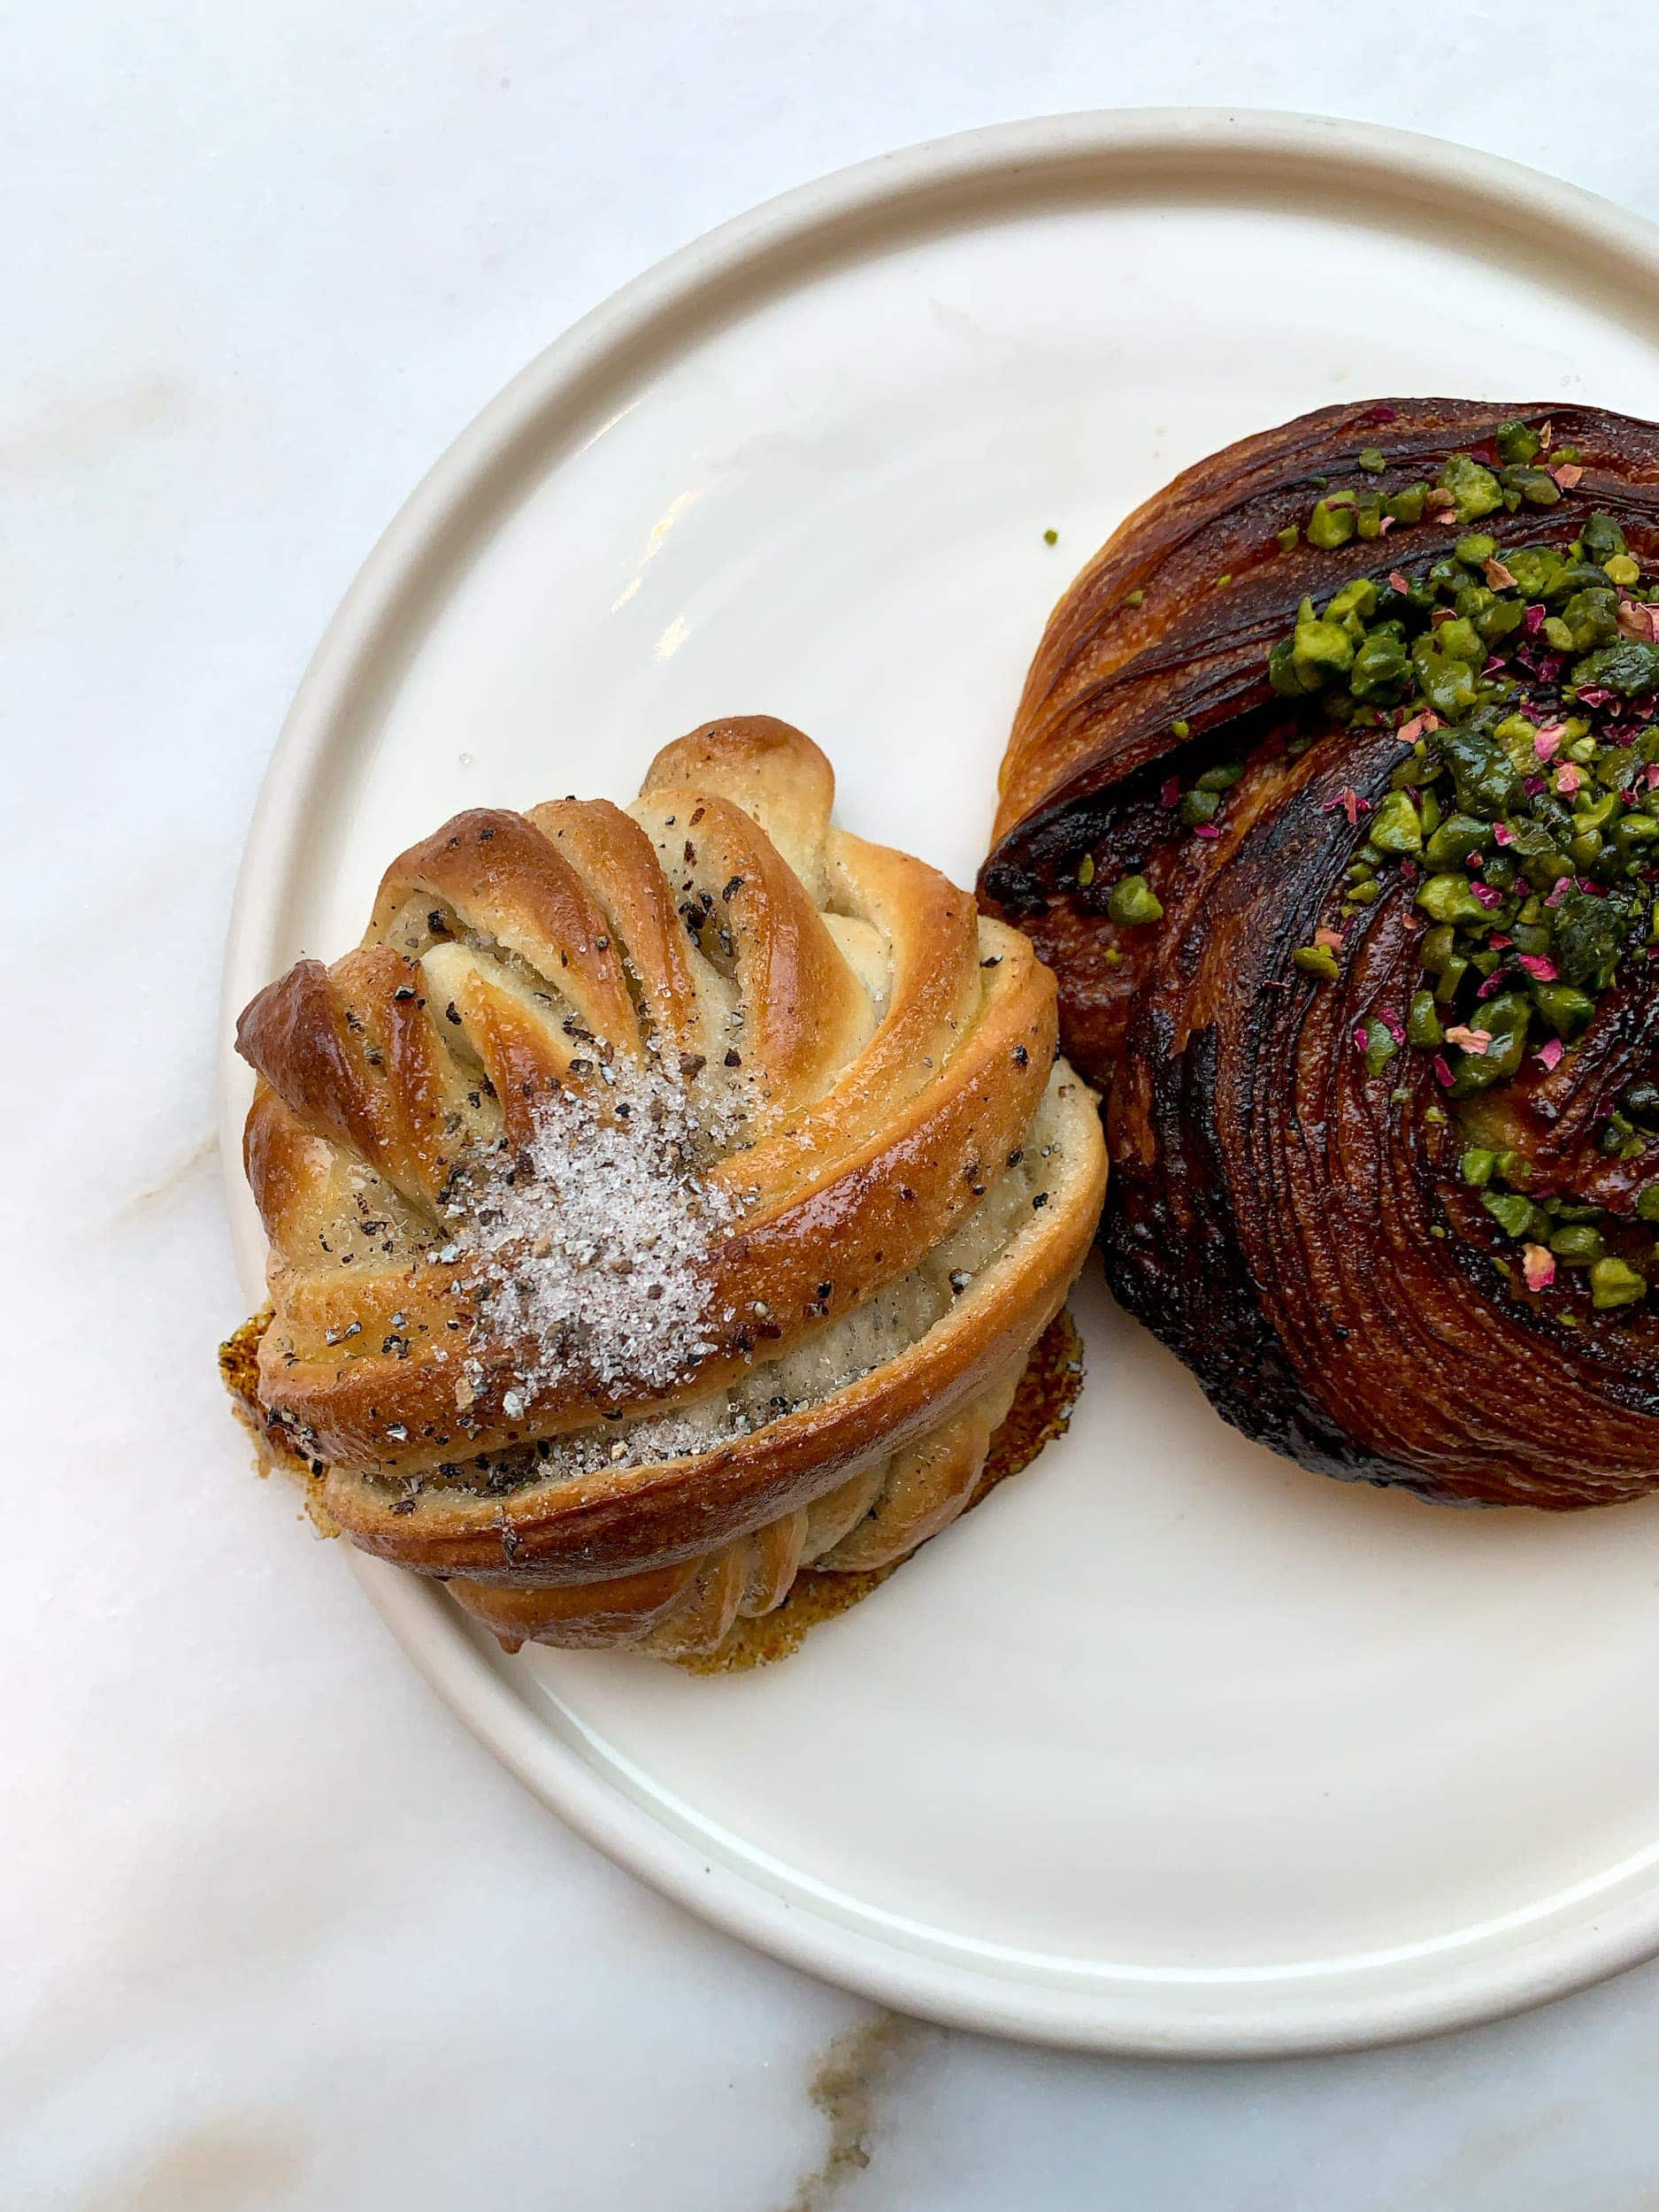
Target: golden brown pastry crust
(895,1061)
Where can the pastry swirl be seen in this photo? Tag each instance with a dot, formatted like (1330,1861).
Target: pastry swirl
(659,1199)
(1330,800)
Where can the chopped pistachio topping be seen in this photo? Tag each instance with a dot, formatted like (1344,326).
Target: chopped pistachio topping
(1524,816)
(1134,902)
(1316,960)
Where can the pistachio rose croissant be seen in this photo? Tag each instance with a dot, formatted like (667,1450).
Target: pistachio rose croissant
(1332,802)
(659,1201)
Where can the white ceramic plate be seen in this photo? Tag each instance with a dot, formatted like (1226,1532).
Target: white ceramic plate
(1171,1747)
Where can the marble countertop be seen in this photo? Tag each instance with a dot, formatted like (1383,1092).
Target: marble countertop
(278,1934)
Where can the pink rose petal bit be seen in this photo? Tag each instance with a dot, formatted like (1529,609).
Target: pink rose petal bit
(1424,725)
(1547,742)
(1567,475)
(1549,1057)
(1569,779)
(1538,1264)
(1472,1040)
(1498,577)
(1540,967)
(1351,804)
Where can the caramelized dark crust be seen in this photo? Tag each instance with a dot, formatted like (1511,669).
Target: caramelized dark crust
(1300,1237)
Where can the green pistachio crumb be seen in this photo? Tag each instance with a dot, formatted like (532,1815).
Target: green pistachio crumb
(1516,443)
(1511,1210)
(1422,1024)
(1321,961)
(1396,827)
(1614,1283)
(1448,898)
(1379,1047)
(1134,902)
(1475,490)
(1330,525)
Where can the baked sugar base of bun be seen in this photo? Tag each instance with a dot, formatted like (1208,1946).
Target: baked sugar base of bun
(1041,1411)
(660,1200)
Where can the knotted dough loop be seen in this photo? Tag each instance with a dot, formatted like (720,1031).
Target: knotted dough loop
(872,1185)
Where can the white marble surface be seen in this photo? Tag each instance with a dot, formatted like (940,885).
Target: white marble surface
(277,1934)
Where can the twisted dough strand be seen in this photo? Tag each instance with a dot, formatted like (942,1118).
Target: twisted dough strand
(903,1180)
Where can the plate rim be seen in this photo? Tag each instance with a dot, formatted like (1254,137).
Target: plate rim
(454,1663)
